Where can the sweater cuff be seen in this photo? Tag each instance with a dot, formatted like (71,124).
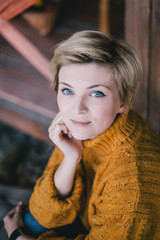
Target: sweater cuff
(50,210)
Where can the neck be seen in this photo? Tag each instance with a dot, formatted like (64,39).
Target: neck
(112,137)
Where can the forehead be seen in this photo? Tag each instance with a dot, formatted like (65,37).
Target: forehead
(87,73)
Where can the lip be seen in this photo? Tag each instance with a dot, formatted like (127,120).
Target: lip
(80,124)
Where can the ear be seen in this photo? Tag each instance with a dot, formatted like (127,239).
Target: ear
(125,105)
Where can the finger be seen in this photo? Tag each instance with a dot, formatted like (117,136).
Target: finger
(57,119)
(11,212)
(19,207)
(59,134)
(69,134)
(58,130)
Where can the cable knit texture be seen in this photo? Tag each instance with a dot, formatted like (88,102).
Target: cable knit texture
(116,190)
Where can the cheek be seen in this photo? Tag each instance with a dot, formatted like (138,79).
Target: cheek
(64,109)
(105,114)
(102,111)
(61,103)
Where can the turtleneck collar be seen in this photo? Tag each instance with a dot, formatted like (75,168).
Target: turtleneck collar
(112,137)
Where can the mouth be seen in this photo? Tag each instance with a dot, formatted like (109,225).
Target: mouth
(80,124)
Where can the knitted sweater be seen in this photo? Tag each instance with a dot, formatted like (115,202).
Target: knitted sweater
(116,190)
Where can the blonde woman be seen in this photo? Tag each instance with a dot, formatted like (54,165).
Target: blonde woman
(105,170)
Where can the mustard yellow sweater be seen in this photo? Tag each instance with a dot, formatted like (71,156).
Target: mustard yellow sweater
(116,191)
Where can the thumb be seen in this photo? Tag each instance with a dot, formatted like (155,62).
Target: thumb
(19,208)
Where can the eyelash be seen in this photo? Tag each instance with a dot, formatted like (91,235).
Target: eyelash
(101,94)
(65,90)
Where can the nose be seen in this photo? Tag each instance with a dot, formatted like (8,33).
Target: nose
(80,105)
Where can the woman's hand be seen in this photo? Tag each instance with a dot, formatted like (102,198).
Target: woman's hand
(62,137)
(13,219)
(72,149)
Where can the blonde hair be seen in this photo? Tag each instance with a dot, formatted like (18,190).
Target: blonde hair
(94,46)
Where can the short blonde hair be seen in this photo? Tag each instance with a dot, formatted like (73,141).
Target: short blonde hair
(94,46)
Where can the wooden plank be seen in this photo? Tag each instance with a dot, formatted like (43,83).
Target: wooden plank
(104,16)
(14,74)
(26,92)
(16,7)
(154,85)
(26,104)
(20,67)
(44,44)
(137,22)
(23,124)
(4,4)
(26,48)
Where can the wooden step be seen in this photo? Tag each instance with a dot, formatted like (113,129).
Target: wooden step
(26,99)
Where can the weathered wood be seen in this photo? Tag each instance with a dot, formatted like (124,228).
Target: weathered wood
(28,126)
(154,84)
(4,4)
(45,45)
(26,48)
(27,104)
(14,7)
(20,79)
(13,74)
(18,68)
(104,16)
(143,32)
(137,34)
(40,99)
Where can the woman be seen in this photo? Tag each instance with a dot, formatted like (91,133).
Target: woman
(105,168)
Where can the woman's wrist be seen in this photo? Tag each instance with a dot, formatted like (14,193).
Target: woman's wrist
(18,234)
(65,174)
(15,234)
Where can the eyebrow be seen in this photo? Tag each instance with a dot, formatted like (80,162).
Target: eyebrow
(93,86)
(65,84)
(99,85)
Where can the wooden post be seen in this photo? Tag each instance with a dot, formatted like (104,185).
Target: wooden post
(104,16)
(154,68)
(142,30)
(137,34)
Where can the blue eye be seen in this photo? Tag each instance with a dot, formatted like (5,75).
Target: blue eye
(67,91)
(97,94)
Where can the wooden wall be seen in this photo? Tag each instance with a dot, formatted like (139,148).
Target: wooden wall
(142,30)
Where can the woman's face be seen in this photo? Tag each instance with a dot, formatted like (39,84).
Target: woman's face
(88,99)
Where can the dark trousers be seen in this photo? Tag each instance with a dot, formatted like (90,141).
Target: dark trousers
(33,228)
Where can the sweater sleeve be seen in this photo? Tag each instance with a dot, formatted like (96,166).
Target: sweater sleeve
(117,211)
(46,206)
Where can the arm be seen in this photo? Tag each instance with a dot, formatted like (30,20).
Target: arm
(13,220)
(63,176)
(72,150)
(116,210)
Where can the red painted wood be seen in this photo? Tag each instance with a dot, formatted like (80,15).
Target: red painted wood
(40,99)
(26,48)
(26,104)
(4,4)
(15,8)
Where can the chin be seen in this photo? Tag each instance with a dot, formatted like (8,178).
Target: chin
(82,136)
